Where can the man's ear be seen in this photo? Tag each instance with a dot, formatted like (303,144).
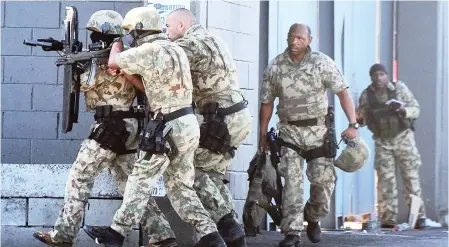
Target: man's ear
(310,40)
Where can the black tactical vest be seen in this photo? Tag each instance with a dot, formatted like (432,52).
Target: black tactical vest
(383,121)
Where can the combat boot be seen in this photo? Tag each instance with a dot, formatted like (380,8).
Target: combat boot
(45,238)
(211,240)
(105,235)
(291,241)
(231,231)
(313,230)
(169,242)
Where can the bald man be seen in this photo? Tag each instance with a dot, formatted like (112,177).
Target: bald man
(219,100)
(300,77)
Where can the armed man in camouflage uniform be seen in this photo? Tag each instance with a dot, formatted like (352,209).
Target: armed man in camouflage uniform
(107,95)
(392,127)
(163,69)
(216,85)
(300,78)
(215,90)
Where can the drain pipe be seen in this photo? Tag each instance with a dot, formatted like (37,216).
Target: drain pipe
(395,41)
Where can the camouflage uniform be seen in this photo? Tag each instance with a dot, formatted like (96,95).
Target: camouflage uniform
(301,89)
(215,79)
(394,145)
(168,87)
(92,158)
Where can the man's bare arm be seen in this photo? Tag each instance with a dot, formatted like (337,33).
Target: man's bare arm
(116,48)
(136,80)
(266,110)
(348,105)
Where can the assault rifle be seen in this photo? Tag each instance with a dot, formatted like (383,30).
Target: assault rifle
(75,62)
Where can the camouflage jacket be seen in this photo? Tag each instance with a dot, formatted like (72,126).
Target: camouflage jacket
(301,88)
(107,90)
(213,69)
(164,68)
(391,122)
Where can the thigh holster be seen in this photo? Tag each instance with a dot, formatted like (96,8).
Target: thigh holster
(155,138)
(214,132)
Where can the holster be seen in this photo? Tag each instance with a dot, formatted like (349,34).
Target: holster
(111,134)
(152,139)
(214,132)
(155,136)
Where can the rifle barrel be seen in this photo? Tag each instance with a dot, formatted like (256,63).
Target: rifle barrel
(36,43)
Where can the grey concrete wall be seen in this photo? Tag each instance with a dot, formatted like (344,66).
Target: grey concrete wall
(32,84)
(419,57)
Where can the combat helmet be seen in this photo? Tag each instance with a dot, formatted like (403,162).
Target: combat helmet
(354,156)
(142,19)
(107,22)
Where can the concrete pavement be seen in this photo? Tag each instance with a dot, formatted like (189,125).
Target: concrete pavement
(416,238)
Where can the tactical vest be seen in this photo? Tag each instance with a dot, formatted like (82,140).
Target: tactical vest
(383,121)
(307,107)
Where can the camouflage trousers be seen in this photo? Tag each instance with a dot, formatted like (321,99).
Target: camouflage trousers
(211,168)
(320,172)
(178,179)
(90,161)
(400,151)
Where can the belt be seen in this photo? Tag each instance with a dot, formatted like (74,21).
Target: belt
(106,111)
(232,109)
(305,122)
(174,115)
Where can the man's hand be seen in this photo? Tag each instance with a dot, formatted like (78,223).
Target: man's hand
(114,72)
(350,133)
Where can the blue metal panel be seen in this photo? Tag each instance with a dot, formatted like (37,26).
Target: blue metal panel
(355,40)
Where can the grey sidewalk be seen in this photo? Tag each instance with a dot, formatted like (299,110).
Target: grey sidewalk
(22,237)
(431,238)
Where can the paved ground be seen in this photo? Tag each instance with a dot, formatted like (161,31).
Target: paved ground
(431,238)
(22,237)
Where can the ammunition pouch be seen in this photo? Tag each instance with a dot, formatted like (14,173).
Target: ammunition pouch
(214,132)
(111,134)
(154,137)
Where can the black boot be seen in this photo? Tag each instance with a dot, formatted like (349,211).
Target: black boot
(105,235)
(231,231)
(313,230)
(291,241)
(211,240)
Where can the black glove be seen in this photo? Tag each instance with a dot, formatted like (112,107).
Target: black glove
(55,44)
